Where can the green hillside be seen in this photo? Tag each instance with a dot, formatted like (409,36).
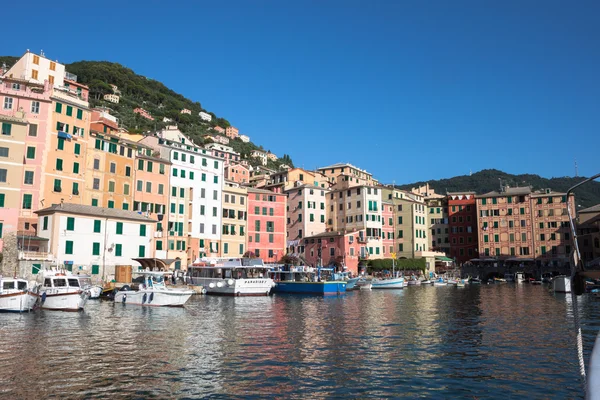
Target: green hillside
(489,179)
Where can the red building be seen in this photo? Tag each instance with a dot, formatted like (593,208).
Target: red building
(387,231)
(266,224)
(462,221)
(335,247)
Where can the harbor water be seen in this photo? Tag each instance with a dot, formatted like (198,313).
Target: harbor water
(488,341)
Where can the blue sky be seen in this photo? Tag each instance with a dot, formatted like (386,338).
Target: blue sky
(408,90)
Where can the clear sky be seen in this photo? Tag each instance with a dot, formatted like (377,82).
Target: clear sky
(408,90)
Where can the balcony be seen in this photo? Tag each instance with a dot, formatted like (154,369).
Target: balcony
(70,76)
(361,239)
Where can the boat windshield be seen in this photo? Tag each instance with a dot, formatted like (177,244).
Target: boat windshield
(22,285)
(227,273)
(8,285)
(73,282)
(60,282)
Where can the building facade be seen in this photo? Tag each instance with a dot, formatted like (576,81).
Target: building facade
(205,116)
(306,215)
(334,249)
(266,224)
(462,220)
(235,216)
(232,132)
(237,173)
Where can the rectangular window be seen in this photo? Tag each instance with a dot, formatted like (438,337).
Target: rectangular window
(97,226)
(75,168)
(6,128)
(57,185)
(69,247)
(119,228)
(70,224)
(30,152)
(61,144)
(111,186)
(159,245)
(8,103)
(77,149)
(58,108)
(69,111)
(75,189)
(142,251)
(79,114)
(28,178)
(94,202)
(118,250)
(111,204)
(59,164)
(148,187)
(95,249)
(142,230)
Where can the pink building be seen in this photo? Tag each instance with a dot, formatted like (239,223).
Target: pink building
(223,152)
(24,120)
(237,173)
(335,247)
(266,224)
(217,138)
(219,129)
(387,229)
(143,113)
(232,132)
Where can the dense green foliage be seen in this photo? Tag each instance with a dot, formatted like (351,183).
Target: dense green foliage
(413,264)
(489,180)
(8,60)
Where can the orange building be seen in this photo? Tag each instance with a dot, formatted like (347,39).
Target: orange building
(237,173)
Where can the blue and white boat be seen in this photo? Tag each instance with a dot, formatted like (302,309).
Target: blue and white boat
(306,280)
(391,283)
(345,276)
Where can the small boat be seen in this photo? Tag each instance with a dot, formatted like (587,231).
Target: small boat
(414,282)
(16,295)
(440,282)
(499,280)
(561,284)
(405,283)
(62,291)
(451,281)
(306,280)
(519,277)
(426,282)
(460,283)
(475,281)
(152,292)
(391,283)
(231,276)
(86,284)
(364,284)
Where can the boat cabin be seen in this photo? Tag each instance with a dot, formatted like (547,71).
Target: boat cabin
(10,285)
(61,281)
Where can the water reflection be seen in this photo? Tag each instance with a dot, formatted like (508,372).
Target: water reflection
(479,341)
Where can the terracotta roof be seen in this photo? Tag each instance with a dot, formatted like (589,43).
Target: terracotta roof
(80,209)
(254,190)
(591,209)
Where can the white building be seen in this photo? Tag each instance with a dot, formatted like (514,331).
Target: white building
(186,111)
(205,116)
(261,155)
(37,68)
(244,138)
(167,120)
(307,214)
(113,98)
(93,240)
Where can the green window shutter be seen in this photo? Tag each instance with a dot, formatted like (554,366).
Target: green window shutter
(216,179)
(98,144)
(174,172)
(159,245)
(181,209)
(225,248)
(94,202)
(192,175)
(2,199)
(119,228)
(118,250)
(79,114)
(182,192)
(174,191)
(58,108)
(69,111)
(69,247)
(97,226)
(95,269)
(149,166)
(27,200)
(57,185)
(142,230)
(6,128)
(142,251)
(173,208)
(77,148)
(125,206)
(111,204)
(75,190)
(141,165)
(61,143)
(70,224)
(96,249)
(75,168)
(203,177)
(31,153)
(59,164)
(35,268)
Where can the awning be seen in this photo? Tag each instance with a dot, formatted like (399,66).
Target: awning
(444,258)
(64,135)
(155,264)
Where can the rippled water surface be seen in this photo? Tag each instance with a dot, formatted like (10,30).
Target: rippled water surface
(493,341)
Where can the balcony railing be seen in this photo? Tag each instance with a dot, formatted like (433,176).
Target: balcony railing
(35,255)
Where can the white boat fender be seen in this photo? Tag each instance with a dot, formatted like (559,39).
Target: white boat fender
(230,282)
(219,284)
(211,285)
(151,298)
(124,298)
(203,290)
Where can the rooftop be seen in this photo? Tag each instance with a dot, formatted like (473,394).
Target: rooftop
(80,209)
(339,165)
(591,209)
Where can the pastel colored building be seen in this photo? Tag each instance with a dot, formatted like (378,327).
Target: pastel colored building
(237,173)
(271,156)
(232,132)
(217,139)
(235,215)
(113,98)
(462,222)
(143,113)
(282,181)
(244,138)
(306,215)
(205,116)
(24,121)
(186,111)
(65,160)
(588,213)
(334,248)
(38,69)
(387,228)
(361,176)
(219,129)
(261,155)
(93,240)
(226,153)
(266,224)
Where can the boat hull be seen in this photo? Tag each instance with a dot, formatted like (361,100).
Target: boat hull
(237,287)
(65,301)
(154,298)
(561,284)
(351,283)
(323,288)
(95,291)
(395,283)
(17,302)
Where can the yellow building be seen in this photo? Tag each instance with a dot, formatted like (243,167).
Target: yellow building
(235,206)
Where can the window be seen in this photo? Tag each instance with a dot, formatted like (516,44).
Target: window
(142,251)
(94,202)
(95,249)
(97,226)
(148,187)
(59,164)
(57,185)
(69,111)
(8,103)
(6,128)
(28,178)
(75,189)
(216,165)
(79,114)
(118,250)
(70,224)
(32,130)
(76,168)
(69,247)
(126,189)
(4,151)
(111,186)
(58,108)
(161,188)
(216,179)
(34,73)
(142,230)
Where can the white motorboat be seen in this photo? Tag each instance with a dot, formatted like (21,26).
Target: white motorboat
(16,295)
(519,277)
(426,282)
(440,282)
(561,284)
(153,292)
(62,291)
(451,281)
(413,282)
(392,283)
(86,284)
(364,284)
(232,276)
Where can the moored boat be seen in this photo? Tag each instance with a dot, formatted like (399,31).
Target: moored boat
(152,292)
(561,284)
(232,276)
(461,283)
(62,291)
(16,295)
(391,283)
(364,284)
(440,282)
(306,280)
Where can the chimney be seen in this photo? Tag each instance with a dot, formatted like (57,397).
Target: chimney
(61,202)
